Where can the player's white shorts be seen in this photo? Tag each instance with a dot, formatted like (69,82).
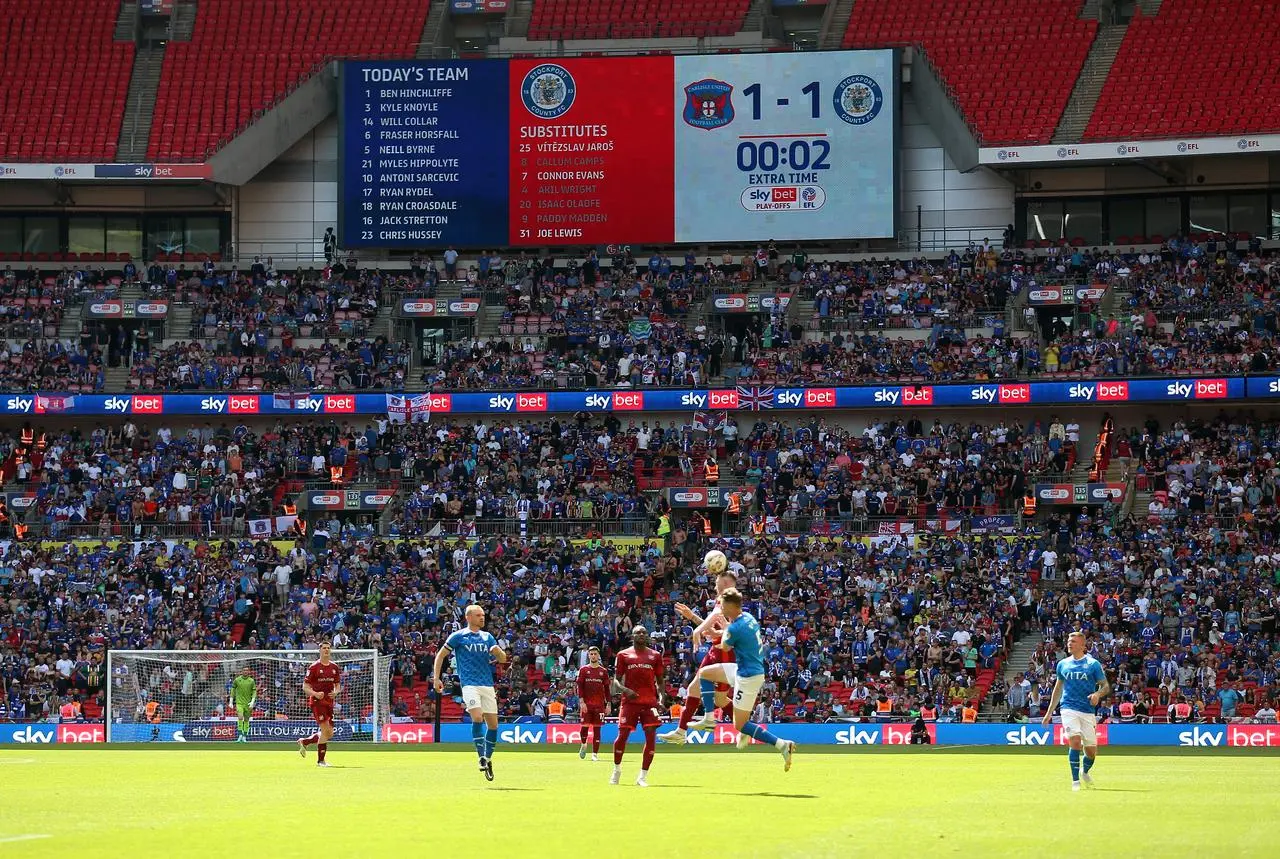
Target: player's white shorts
(480,697)
(745,689)
(1082,725)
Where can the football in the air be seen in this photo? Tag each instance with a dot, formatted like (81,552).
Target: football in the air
(715,562)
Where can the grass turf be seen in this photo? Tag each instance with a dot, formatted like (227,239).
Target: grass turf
(884,802)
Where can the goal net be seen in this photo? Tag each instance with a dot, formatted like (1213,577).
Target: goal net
(185,695)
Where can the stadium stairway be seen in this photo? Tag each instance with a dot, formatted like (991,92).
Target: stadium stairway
(1020,655)
(834,24)
(1093,74)
(431,30)
(127,23)
(135,129)
(753,21)
(517,23)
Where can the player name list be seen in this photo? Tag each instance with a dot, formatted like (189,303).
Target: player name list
(560,182)
(416,155)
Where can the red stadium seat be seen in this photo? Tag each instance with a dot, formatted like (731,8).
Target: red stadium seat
(245,56)
(1010,65)
(634,19)
(55,110)
(1189,70)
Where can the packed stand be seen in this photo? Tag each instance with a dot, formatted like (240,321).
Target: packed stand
(847,626)
(1181,612)
(249,360)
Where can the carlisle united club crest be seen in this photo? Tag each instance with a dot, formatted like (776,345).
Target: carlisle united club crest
(708,104)
(548,91)
(858,99)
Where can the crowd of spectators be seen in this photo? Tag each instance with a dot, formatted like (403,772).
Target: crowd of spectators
(252,363)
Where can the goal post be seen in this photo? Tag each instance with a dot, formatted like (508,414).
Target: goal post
(185,695)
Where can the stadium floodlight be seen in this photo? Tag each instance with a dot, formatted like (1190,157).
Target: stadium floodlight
(185,695)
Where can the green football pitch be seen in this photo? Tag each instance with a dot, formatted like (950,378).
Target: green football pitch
(884,802)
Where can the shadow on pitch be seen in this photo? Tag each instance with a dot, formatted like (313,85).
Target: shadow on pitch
(772,795)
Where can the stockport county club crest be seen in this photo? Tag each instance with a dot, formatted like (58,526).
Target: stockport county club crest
(708,104)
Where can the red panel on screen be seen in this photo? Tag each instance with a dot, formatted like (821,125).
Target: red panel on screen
(592,151)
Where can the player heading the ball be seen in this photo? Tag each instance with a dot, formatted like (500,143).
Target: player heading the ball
(746,674)
(476,653)
(322,686)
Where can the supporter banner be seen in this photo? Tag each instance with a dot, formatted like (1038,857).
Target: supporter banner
(126,308)
(695,497)
(735,399)
(754,302)
(1128,149)
(1079,493)
(1065,294)
(429,307)
(350,500)
(983,524)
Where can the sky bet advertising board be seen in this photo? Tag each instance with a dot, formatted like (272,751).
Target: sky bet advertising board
(1203,391)
(631,150)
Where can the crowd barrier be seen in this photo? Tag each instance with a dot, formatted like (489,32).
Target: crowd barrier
(993,394)
(537,733)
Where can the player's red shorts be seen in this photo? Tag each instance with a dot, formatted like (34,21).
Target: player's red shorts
(593,716)
(716,656)
(322,711)
(645,715)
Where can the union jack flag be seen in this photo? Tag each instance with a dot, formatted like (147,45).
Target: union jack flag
(755,399)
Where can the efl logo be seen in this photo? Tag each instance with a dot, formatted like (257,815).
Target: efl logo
(628,401)
(722,399)
(1211,389)
(531,402)
(151,405)
(1112,391)
(106,308)
(376,499)
(1054,493)
(731,302)
(786,195)
(419,308)
(465,307)
(340,403)
(1253,735)
(82,734)
(242,404)
(1045,295)
(408,733)
(1015,394)
(149,308)
(326,500)
(690,497)
(921,396)
(440,402)
(820,398)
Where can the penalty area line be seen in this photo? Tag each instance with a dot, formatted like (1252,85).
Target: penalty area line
(10,839)
(17,761)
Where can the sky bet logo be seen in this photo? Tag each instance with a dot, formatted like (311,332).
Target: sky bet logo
(26,405)
(621,401)
(1007,394)
(233,404)
(1202,737)
(1200,389)
(440,402)
(138,405)
(1102,392)
(915,395)
(809,398)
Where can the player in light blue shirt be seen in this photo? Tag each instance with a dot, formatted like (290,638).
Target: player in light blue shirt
(475,652)
(1082,685)
(745,674)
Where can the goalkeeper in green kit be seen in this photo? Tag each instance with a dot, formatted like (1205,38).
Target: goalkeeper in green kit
(244,694)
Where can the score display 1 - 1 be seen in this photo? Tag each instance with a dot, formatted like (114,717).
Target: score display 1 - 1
(618,150)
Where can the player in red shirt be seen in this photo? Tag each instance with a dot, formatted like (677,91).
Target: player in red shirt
(322,687)
(593,692)
(705,634)
(637,675)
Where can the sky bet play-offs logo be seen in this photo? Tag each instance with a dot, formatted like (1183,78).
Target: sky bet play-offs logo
(548,91)
(783,198)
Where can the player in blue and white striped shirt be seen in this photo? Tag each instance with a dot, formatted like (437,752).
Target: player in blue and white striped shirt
(1082,685)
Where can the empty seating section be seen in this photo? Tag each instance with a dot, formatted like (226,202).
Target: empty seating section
(635,19)
(1196,68)
(63,80)
(244,54)
(1010,64)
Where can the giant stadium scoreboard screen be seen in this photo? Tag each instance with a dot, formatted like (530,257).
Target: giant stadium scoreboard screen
(630,150)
